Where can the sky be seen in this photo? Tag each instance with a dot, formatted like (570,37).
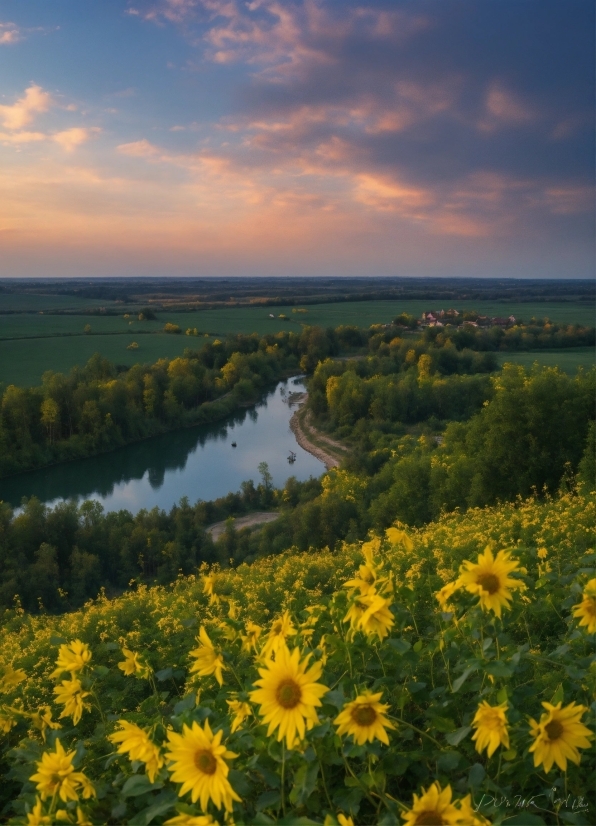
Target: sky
(306,137)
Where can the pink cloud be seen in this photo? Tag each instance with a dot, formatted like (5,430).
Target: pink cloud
(23,111)
(504,108)
(9,33)
(70,139)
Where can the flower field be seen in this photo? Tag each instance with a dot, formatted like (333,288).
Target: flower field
(440,676)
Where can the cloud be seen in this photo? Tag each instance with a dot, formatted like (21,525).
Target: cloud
(139,149)
(23,111)
(504,108)
(70,139)
(9,33)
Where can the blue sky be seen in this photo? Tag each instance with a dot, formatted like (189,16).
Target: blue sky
(217,137)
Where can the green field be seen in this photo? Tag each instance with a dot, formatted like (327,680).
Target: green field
(32,342)
(568,360)
(24,362)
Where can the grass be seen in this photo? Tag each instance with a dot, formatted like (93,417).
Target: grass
(24,362)
(568,360)
(34,302)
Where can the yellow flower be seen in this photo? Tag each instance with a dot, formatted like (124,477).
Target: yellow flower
(37,817)
(377,618)
(42,720)
(587,608)
(70,694)
(136,742)
(190,820)
(72,657)
(240,711)
(82,819)
(369,549)
(340,819)
(364,718)
(56,775)
(489,579)
(397,537)
(445,594)
(7,720)
(208,660)
(132,665)
(251,638)
(11,678)
(490,723)
(281,629)
(559,735)
(364,582)
(198,763)
(289,694)
(209,589)
(542,553)
(434,806)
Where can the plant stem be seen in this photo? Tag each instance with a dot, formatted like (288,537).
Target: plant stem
(283,778)
(414,728)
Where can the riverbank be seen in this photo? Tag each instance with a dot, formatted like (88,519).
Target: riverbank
(323,448)
(251,520)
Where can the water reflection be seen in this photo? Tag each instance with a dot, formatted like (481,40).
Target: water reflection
(197,462)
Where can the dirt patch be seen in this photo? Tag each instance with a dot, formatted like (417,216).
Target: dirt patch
(310,439)
(248,521)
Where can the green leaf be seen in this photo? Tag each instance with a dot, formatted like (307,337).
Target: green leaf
(101,670)
(476,775)
(305,781)
(525,819)
(55,639)
(335,698)
(502,695)
(457,684)
(510,754)
(185,704)
(160,807)
(455,738)
(558,696)
(498,669)
(417,647)
(164,674)
(401,646)
(139,784)
(269,800)
(448,761)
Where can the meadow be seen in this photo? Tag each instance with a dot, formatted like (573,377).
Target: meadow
(567,360)
(438,676)
(34,339)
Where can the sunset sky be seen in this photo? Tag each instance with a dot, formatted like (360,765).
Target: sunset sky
(316,137)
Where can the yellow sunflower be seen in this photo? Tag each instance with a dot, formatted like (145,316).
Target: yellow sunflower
(190,820)
(133,665)
(36,816)
(240,711)
(289,695)
(445,594)
(489,579)
(72,657)
(364,718)
(208,660)
(251,638)
(198,760)
(364,582)
(377,618)
(559,735)
(11,678)
(586,610)
(281,629)
(490,723)
(70,694)
(136,742)
(434,807)
(56,775)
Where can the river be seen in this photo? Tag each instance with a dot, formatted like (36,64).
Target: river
(197,462)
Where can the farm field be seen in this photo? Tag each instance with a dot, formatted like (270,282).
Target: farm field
(568,360)
(37,302)
(24,362)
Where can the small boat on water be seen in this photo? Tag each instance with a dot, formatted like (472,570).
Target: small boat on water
(233,444)
(292,457)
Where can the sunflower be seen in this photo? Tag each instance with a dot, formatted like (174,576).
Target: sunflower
(364,718)
(490,723)
(42,720)
(559,735)
(208,660)
(489,579)
(199,762)
(209,589)
(190,820)
(11,678)
(281,629)
(56,775)
(586,610)
(251,638)
(72,657)
(132,665)
(364,582)
(240,711)
(377,618)
(289,694)
(70,694)
(434,807)
(445,594)
(136,742)
(36,816)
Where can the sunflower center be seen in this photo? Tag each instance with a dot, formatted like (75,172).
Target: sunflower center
(429,818)
(205,761)
(288,693)
(363,715)
(554,729)
(489,582)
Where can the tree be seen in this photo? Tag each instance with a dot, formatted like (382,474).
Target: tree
(50,417)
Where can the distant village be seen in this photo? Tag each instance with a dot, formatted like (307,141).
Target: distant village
(439,318)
